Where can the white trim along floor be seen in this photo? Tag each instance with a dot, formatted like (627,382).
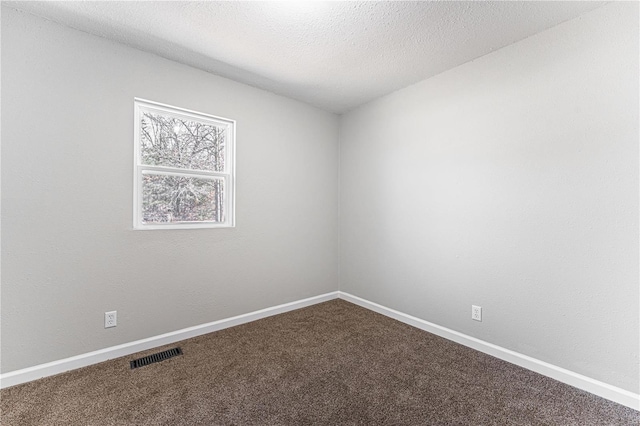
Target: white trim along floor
(604,390)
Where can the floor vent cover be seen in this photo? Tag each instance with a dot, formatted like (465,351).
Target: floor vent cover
(160,356)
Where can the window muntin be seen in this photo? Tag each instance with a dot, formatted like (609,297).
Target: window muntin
(184,168)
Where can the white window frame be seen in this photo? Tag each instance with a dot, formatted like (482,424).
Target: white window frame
(228,176)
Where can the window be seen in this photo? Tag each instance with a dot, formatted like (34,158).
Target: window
(184,168)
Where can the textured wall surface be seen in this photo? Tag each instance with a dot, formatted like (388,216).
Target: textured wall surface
(68,249)
(510,182)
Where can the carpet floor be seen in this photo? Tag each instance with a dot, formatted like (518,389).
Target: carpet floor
(329,364)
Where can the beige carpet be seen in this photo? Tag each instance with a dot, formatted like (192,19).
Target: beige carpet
(329,364)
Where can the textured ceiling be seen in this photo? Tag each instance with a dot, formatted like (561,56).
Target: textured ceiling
(335,55)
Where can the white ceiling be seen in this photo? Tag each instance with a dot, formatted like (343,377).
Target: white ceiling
(335,55)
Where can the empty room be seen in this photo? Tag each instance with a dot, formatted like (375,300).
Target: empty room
(331,213)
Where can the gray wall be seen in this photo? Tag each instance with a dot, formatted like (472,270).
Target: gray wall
(510,182)
(68,249)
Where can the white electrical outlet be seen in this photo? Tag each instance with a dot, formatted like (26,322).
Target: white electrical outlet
(110,319)
(476,313)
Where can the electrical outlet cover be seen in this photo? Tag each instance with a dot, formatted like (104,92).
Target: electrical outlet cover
(110,319)
(476,313)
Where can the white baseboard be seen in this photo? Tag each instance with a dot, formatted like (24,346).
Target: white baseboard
(596,387)
(579,381)
(56,367)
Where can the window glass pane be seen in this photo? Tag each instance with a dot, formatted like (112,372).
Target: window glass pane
(170,199)
(181,142)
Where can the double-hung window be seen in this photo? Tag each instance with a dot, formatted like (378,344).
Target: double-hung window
(184,168)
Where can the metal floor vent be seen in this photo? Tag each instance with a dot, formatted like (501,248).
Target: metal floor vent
(160,356)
